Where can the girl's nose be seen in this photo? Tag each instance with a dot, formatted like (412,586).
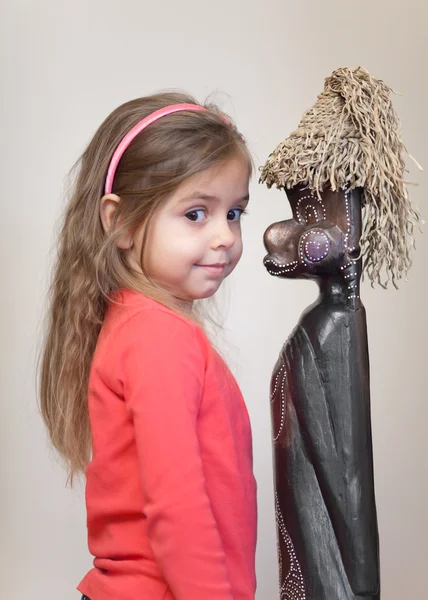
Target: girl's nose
(223,234)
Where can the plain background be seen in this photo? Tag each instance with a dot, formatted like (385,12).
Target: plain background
(65,66)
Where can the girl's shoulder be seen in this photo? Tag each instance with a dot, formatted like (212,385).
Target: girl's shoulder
(132,317)
(141,333)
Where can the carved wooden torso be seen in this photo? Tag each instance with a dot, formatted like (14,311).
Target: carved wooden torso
(320,404)
(325,509)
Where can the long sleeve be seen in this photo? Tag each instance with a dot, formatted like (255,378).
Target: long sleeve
(164,368)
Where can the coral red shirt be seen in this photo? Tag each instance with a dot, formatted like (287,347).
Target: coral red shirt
(170,493)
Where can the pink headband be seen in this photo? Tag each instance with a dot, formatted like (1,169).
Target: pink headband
(118,153)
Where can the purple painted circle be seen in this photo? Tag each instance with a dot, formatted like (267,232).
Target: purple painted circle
(315,245)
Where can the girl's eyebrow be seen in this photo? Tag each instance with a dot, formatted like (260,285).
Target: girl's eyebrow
(244,199)
(209,198)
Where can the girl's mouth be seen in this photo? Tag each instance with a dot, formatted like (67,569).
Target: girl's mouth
(216,268)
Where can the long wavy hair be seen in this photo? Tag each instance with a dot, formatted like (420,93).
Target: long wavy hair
(90,266)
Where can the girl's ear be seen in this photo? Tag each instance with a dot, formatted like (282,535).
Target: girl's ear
(108,207)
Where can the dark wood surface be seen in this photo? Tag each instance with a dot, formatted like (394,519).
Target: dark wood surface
(320,403)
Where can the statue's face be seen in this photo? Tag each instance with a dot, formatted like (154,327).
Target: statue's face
(315,242)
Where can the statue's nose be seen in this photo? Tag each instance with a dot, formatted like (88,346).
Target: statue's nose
(279,236)
(272,237)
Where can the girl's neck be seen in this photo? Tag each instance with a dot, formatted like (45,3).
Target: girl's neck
(184,305)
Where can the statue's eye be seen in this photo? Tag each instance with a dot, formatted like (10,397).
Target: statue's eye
(314,246)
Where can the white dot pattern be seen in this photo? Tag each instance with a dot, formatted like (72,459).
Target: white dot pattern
(314,208)
(277,382)
(292,586)
(352,286)
(282,396)
(348,219)
(281,268)
(311,247)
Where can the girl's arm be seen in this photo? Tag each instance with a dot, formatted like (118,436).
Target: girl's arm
(164,377)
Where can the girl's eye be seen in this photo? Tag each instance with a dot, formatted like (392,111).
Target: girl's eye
(235,214)
(196,215)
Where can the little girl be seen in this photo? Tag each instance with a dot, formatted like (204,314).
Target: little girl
(130,383)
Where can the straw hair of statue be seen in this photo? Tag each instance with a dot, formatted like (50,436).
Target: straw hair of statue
(350,138)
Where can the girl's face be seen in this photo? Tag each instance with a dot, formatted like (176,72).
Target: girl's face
(194,240)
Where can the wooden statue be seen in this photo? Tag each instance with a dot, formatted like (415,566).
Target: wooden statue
(343,163)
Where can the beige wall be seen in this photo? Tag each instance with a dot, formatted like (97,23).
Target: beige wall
(65,65)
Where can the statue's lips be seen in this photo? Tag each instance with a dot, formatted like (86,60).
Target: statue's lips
(276,267)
